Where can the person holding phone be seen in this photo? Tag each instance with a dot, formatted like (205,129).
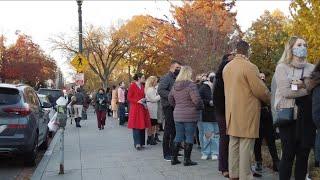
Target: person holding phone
(139,118)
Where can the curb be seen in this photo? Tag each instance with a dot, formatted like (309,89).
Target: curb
(38,173)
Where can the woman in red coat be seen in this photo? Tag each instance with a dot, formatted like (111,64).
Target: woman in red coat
(139,118)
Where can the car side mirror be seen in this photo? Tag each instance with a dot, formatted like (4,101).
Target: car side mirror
(46,105)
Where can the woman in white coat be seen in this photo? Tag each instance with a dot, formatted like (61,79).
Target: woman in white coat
(152,98)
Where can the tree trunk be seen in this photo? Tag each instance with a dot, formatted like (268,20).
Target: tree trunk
(104,83)
(129,74)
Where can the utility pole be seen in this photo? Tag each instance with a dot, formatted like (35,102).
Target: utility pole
(79,2)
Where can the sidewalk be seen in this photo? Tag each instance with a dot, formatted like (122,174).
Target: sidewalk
(109,154)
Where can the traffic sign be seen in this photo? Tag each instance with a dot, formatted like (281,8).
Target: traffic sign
(79,78)
(79,62)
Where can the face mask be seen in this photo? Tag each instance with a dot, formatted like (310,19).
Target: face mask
(176,72)
(300,52)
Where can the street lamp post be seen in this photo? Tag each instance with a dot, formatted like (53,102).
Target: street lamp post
(79,2)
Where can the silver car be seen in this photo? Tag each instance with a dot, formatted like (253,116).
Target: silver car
(50,111)
(23,122)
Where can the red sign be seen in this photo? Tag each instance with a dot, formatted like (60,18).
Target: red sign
(79,79)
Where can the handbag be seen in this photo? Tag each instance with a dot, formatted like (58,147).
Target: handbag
(285,116)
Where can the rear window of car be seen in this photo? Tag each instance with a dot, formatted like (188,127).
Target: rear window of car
(43,99)
(55,94)
(9,96)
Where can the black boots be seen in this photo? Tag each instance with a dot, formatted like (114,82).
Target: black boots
(78,122)
(174,158)
(156,137)
(187,155)
(151,140)
(276,165)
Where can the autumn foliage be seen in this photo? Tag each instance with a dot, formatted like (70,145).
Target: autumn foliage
(306,15)
(267,37)
(26,62)
(207,30)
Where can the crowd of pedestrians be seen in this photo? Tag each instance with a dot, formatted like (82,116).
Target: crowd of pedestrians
(229,112)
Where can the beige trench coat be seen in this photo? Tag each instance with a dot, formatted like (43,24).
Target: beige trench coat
(244,91)
(114,100)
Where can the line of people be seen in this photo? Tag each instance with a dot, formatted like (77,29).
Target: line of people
(233,111)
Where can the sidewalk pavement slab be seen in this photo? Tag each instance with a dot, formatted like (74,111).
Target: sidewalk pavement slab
(109,154)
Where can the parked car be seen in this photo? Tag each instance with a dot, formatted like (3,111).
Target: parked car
(50,111)
(23,122)
(53,94)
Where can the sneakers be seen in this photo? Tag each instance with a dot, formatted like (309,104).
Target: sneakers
(214,157)
(204,157)
(258,167)
(167,158)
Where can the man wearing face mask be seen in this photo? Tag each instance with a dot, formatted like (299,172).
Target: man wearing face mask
(165,85)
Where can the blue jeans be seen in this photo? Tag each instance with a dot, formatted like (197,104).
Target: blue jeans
(122,113)
(185,132)
(139,137)
(210,138)
(200,128)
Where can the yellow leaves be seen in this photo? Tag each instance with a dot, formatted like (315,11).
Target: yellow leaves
(306,15)
(267,37)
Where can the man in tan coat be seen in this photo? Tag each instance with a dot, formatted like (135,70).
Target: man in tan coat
(244,91)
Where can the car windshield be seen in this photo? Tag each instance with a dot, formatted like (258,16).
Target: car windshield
(53,95)
(9,96)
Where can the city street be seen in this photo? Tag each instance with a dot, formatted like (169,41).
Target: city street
(240,77)
(14,167)
(109,154)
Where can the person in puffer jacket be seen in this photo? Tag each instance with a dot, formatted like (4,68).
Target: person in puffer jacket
(187,103)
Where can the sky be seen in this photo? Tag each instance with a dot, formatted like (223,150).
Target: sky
(45,19)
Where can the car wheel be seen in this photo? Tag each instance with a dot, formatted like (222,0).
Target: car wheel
(30,157)
(45,144)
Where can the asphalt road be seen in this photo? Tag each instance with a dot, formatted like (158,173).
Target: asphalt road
(13,168)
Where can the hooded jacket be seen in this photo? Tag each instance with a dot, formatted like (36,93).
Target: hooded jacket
(186,100)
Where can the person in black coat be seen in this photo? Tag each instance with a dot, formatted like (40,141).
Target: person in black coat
(316,110)
(210,134)
(164,88)
(219,103)
(266,131)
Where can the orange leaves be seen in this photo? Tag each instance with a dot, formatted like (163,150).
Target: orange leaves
(205,28)
(26,61)
(149,39)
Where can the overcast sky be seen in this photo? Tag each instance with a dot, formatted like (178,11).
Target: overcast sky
(44,19)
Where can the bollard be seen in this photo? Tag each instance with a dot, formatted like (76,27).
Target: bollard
(62,121)
(62,151)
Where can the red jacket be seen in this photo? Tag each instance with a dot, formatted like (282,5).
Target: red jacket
(139,117)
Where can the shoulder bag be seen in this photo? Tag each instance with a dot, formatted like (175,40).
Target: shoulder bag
(285,116)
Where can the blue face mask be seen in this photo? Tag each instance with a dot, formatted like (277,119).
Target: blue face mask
(300,51)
